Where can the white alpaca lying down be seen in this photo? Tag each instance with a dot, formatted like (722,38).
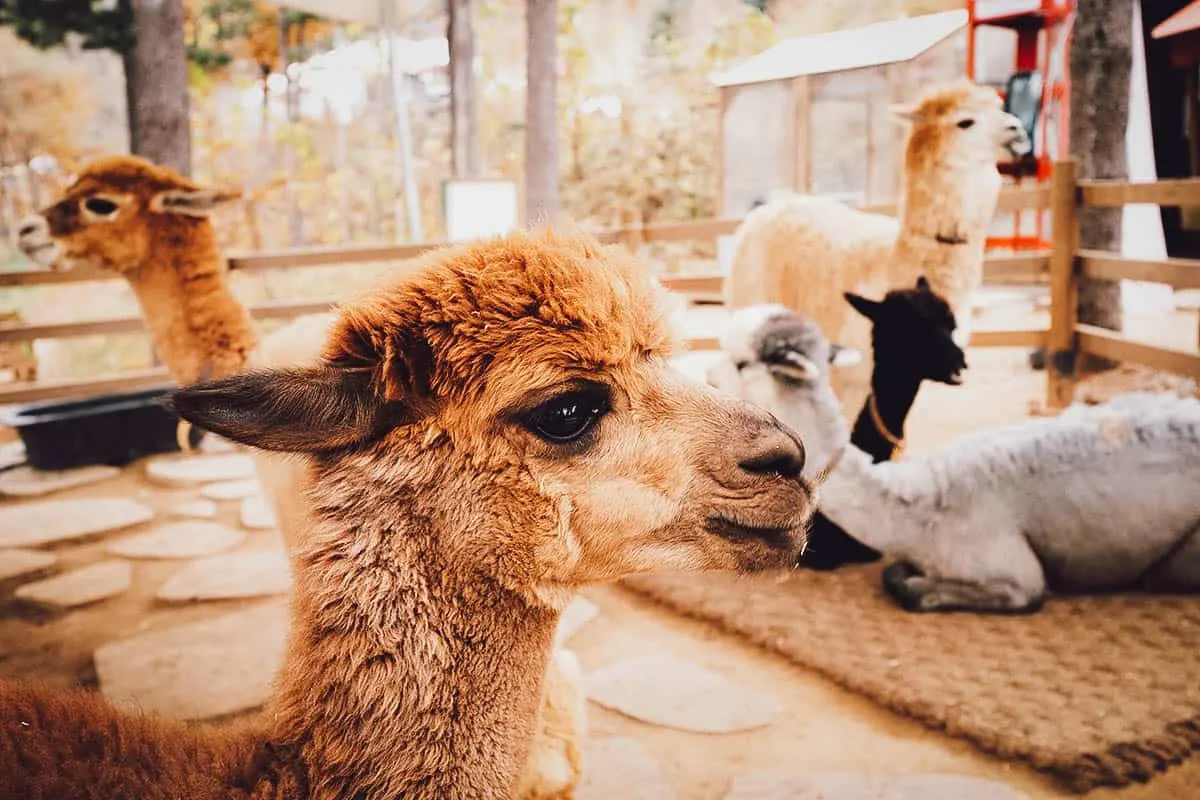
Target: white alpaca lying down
(1099,499)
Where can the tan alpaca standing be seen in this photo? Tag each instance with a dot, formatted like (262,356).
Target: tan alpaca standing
(483,438)
(151,225)
(126,215)
(804,251)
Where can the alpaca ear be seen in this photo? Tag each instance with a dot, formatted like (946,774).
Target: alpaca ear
(922,283)
(791,365)
(384,343)
(868,308)
(192,202)
(842,356)
(294,410)
(903,112)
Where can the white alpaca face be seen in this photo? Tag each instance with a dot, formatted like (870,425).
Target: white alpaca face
(991,131)
(977,129)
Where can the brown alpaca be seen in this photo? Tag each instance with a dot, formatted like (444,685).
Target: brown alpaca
(803,251)
(483,438)
(201,329)
(124,214)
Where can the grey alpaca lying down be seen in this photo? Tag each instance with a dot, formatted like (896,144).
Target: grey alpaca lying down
(1098,499)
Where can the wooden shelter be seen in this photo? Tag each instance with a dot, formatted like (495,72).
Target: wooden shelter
(810,114)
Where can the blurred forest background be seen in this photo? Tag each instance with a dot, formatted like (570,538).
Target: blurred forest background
(297,112)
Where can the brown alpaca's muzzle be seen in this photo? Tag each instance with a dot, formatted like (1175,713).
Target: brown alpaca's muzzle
(762,504)
(35,241)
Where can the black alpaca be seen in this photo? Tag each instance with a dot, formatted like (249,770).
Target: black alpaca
(910,342)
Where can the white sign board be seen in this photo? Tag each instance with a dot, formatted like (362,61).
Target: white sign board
(477,209)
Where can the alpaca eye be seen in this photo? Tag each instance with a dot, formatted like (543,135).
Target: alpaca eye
(741,365)
(965,123)
(567,417)
(100,207)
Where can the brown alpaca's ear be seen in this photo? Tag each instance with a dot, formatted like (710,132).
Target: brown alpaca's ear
(383,342)
(193,202)
(294,410)
(903,112)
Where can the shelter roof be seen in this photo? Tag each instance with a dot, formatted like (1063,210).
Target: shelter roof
(874,45)
(1182,21)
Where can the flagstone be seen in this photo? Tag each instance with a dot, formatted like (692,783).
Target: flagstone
(43,522)
(201,670)
(179,539)
(78,587)
(230,575)
(25,481)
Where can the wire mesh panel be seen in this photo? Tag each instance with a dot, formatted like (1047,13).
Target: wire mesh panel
(756,152)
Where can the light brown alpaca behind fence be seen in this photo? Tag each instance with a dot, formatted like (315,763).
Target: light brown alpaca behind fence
(482,439)
(126,215)
(149,224)
(803,251)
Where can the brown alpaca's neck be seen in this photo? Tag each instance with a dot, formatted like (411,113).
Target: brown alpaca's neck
(405,677)
(199,329)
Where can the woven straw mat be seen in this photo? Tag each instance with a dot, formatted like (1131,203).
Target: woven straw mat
(1095,691)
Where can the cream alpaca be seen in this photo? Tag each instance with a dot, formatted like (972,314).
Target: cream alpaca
(804,251)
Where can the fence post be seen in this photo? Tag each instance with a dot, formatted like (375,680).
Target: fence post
(1061,351)
(631,231)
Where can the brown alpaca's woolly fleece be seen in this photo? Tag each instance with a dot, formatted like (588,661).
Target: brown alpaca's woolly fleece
(162,241)
(446,529)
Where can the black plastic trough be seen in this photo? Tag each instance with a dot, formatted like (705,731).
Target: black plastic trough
(110,429)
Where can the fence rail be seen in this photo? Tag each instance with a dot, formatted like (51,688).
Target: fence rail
(1067,337)
(1060,268)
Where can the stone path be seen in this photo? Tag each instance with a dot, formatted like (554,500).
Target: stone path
(182,539)
(256,514)
(202,508)
(24,481)
(46,522)
(619,767)
(80,586)
(206,669)
(179,470)
(16,562)
(231,490)
(230,576)
(676,694)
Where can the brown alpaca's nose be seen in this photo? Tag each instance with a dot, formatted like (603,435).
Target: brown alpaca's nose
(775,451)
(31,225)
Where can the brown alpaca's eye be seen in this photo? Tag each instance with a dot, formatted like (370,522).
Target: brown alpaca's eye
(568,416)
(100,207)
(965,123)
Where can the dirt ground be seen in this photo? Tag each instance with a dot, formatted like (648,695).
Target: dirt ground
(824,728)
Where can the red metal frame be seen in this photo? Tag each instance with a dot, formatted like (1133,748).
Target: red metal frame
(1031,19)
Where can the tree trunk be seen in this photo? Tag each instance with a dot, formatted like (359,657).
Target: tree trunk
(541,111)
(156,75)
(1101,60)
(129,64)
(464,104)
(291,99)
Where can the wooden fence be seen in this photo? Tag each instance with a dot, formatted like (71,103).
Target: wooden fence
(1067,337)
(1059,267)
